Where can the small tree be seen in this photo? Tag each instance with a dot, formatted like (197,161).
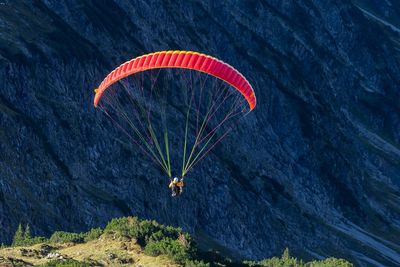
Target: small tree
(18,236)
(27,235)
(286,255)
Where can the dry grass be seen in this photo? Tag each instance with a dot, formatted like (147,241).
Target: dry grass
(104,251)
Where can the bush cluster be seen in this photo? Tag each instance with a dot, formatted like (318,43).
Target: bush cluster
(65,263)
(93,234)
(170,247)
(156,239)
(287,261)
(67,237)
(22,237)
(141,230)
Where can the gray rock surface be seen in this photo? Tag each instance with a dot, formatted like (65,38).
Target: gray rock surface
(315,167)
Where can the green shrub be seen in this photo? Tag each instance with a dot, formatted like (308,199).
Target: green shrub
(142,231)
(66,263)
(93,234)
(120,225)
(155,248)
(287,261)
(170,247)
(250,263)
(23,237)
(196,263)
(18,238)
(35,240)
(279,262)
(330,262)
(66,237)
(27,233)
(156,239)
(164,232)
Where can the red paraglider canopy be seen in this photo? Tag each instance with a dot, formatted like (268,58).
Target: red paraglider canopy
(181,59)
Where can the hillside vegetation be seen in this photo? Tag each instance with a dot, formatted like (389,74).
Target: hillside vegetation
(129,241)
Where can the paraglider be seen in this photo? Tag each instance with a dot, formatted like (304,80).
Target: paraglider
(176,186)
(196,97)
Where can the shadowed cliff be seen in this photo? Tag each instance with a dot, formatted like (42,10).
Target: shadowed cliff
(315,166)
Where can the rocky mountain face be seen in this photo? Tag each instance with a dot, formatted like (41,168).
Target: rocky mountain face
(315,167)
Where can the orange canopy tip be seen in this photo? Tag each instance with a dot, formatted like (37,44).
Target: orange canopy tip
(96,90)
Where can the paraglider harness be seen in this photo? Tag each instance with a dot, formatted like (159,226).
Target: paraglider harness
(176,186)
